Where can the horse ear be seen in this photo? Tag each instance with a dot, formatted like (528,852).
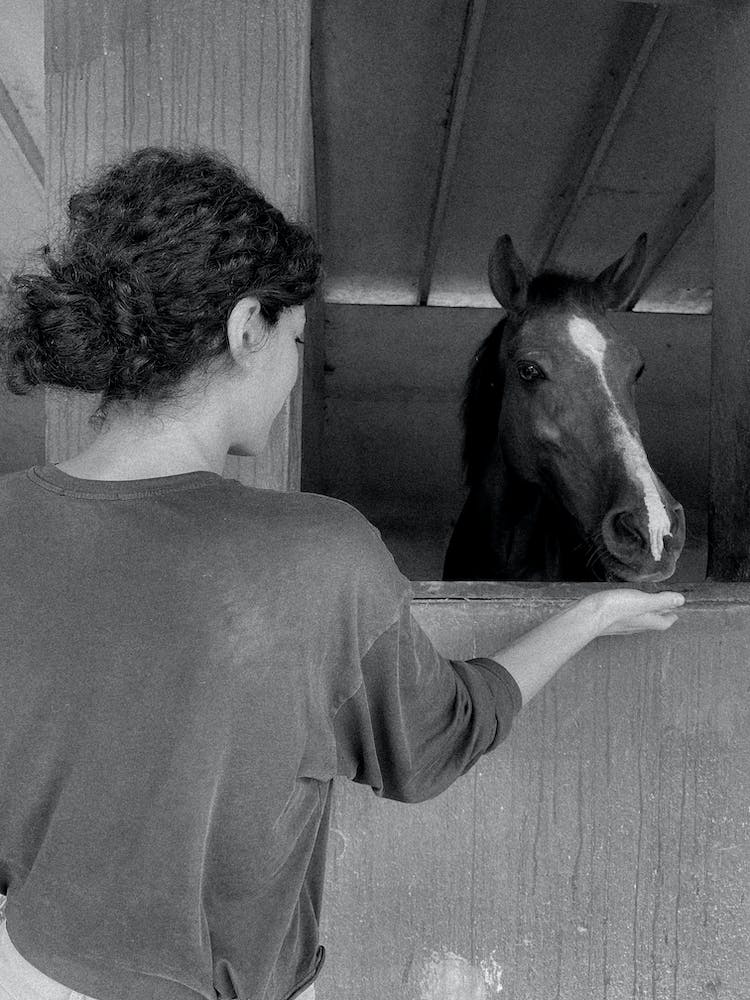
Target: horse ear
(618,281)
(508,278)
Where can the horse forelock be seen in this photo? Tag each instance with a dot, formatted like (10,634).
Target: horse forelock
(555,289)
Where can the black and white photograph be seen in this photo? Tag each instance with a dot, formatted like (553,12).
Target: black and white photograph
(374,500)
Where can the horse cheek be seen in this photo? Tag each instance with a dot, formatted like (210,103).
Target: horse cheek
(518,446)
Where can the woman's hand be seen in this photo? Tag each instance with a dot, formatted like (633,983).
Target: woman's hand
(535,657)
(622,612)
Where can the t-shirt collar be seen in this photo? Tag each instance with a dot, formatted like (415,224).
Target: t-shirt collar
(56,481)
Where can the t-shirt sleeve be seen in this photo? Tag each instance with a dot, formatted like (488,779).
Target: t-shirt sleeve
(419,720)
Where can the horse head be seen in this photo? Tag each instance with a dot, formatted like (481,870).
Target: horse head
(550,406)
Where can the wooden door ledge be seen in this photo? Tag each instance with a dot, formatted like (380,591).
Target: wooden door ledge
(697,594)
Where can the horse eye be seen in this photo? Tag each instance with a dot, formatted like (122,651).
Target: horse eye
(529,372)
(640,372)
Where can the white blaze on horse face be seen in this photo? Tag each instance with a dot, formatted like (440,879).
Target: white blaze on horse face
(589,342)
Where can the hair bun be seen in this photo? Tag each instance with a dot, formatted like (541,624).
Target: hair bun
(159,249)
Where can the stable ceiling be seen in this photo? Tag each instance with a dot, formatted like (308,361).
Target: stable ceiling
(573,125)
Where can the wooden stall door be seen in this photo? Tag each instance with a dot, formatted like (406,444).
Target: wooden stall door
(232,75)
(601,853)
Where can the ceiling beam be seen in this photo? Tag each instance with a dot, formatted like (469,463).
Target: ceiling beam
(595,145)
(685,3)
(456,110)
(677,221)
(19,130)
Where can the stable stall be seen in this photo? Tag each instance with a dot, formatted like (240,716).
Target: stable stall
(605,850)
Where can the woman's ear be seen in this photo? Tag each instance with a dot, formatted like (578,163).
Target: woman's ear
(246,328)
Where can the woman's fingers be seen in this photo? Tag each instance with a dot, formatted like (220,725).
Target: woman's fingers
(627,611)
(643,623)
(663,601)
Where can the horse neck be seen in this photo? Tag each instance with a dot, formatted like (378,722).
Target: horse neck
(532,536)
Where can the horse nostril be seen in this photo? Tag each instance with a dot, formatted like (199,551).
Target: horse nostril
(675,520)
(623,532)
(627,528)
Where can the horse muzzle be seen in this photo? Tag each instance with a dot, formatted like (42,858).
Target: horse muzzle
(639,551)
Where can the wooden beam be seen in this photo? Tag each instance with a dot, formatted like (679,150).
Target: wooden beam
(729,461)
(678,220)
(18,129)
(683,3)
(467,54)
(526,594)
(588,161)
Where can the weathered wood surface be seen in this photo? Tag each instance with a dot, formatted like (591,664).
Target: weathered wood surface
(729,510)
(232,75)
(502,592)
(22,205)
(603,851)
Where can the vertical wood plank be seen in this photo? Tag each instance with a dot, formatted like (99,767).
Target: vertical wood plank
(729,524)
(232,75)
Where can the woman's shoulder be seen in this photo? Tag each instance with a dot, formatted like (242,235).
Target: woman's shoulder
(324,523)
(323,537)
(313,507)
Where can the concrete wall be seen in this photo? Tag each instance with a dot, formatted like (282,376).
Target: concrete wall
(392,440)
(603,851)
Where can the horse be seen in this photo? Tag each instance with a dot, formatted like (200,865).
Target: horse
(559,485)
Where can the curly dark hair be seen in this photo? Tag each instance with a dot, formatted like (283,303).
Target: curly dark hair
(159,248)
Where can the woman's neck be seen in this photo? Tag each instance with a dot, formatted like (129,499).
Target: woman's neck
(124,452)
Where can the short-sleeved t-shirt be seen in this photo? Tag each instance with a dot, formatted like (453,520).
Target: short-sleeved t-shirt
(186,664)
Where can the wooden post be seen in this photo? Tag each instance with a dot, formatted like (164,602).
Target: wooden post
(232,75)
(729,503)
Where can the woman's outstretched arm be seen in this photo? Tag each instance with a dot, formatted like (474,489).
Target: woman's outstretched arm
(535,657)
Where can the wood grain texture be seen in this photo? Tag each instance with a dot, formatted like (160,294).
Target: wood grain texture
(532,592)
(729,524)
(602,851)
(232,75)
(475,10)
(638,36)
(687,213)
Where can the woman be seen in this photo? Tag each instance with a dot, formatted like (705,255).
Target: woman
(187,662)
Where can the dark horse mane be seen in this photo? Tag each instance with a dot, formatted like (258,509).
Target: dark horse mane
(483,395)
